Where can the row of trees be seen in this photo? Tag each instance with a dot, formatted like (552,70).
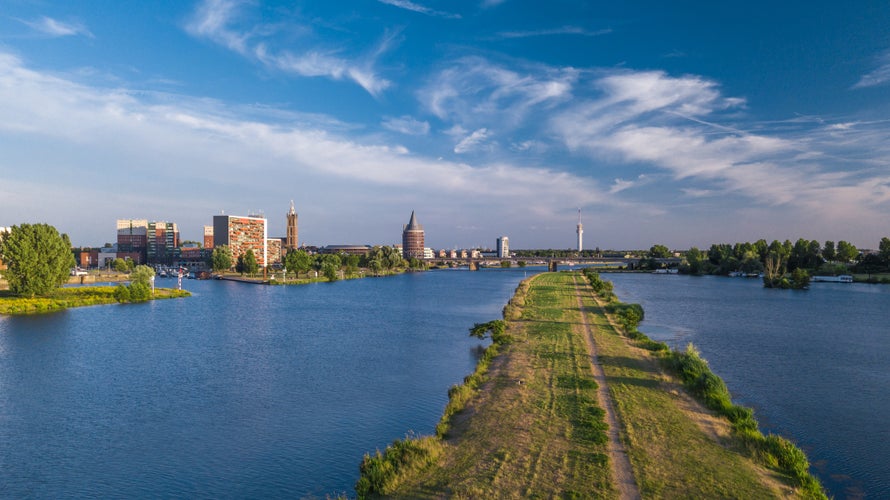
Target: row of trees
(752,257)
(381,259)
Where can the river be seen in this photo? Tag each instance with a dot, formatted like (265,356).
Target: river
(257,391)
(240,391)
(814,364)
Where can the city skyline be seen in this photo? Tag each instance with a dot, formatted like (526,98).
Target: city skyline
(677,125)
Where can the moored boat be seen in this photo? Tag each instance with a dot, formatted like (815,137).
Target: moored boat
(843,278)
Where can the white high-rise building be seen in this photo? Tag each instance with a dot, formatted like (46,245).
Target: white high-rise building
(503,247)
(580,231)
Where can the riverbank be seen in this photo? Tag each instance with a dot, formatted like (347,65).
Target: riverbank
(535,428)
(65,298)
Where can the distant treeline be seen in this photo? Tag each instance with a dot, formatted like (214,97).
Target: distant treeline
(761,256)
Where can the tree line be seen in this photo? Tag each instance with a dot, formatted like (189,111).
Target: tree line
(783,264)
(723,258)
(380,260)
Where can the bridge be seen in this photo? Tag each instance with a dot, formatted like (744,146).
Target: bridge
(553,263)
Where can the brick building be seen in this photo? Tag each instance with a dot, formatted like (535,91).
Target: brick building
(412,239)
(132,239)
(162,240)
(242,233)
(208,236)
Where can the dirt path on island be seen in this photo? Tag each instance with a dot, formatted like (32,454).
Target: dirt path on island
(621,468)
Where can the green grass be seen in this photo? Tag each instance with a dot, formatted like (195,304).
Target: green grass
(655,427)
(64,298)
(532,426)
(670,453)
(535,430)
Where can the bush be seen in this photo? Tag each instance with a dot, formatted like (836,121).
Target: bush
(774,451)
(139,292)
(628,316)
(496,328)
(788,456)
(382,473)
(122,293)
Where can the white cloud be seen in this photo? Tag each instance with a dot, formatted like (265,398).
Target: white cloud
(472,142)
(55,28)
(652,119)
(620,184)
(216,20)
(415,7)
(211,20)
(565,30)
(474,89)
(194,156)
(406,125)
(878,76)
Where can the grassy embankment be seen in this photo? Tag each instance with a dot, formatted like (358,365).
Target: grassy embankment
(544,437)
(677,447)
(64,298)
(535,428)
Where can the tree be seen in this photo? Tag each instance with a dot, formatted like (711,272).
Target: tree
(248,263)
(142,274)
(694,260)
(350,262)
(122,293)
(120,265)
(774,270)
(884,249)
(297,261)
(140,283)
(805,255)
(376,265)
(762,249)
(828,252)
(221,258)
(751,265)
(140,286)
(139,291)
(329,270)
(717,254)
(659,252)
(800,279)
(846,252)
(321,260)
(496,329)
(37,257)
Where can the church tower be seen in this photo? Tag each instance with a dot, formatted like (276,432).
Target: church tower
(291,242)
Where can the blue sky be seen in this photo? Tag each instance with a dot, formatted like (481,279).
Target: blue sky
(680,125)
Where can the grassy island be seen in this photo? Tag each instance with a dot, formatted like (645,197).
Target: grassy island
(579,404)
(64,298)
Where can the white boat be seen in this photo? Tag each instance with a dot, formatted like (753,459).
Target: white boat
(844,278)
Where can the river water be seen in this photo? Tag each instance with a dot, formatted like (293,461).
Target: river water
(814,364)
(256,391)
(240,391)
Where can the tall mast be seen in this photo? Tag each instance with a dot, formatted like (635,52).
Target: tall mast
(580,231)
